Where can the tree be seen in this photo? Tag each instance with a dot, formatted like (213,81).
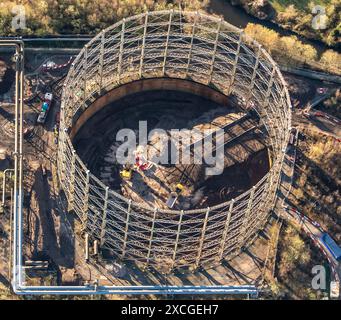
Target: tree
(295,251)
(331,57)
(289,15)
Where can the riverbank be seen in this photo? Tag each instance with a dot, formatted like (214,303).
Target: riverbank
(291,52)
(286,46)
(321,23)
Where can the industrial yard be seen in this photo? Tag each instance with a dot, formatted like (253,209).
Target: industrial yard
(93,223)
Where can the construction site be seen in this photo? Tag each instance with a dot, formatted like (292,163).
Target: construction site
(94,223)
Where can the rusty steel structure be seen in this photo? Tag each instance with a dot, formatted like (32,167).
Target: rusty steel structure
(181,45)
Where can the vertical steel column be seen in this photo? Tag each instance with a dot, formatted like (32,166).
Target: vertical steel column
(104,216)
(268,90)
(151,236)
(192,39)
(225,232)
(60,152)
(126,230)
(101,62)
(234,68)
(177,238)
(167,41)
(85,69)
(254,74)
(86,244)
(202,239)
(247,218)
(120,57)
(86,200)
(72,179)
(215,50)
(267,198)
(143,43)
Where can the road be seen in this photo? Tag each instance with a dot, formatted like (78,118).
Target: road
(317,120)
(293,216)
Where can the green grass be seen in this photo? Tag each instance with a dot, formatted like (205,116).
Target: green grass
(301,5)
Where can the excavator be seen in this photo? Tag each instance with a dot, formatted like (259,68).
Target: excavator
(174,195)
(127,172)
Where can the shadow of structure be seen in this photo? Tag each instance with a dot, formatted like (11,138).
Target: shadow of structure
(48,234)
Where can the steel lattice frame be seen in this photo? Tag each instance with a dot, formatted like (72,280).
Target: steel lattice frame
(186,45)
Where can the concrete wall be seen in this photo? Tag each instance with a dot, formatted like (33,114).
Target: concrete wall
(147,85)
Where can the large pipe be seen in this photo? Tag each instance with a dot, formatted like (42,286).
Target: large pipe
(90,289)
(17,212)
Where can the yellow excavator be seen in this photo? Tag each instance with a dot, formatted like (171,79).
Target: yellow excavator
(127,172)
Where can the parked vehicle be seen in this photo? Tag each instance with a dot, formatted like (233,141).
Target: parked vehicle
(45,108)
(331,245)
(322,90)
(318,114)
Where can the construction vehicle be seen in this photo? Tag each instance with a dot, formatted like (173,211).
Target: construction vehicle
(140,161)
(45,108)
(331,245)
(174,195)
(127,172)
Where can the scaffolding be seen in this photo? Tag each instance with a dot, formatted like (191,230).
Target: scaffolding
(182,45)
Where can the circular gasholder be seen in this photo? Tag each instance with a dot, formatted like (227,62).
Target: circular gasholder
(181,45)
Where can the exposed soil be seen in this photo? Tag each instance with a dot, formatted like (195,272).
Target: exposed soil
(244,162)
(7,75)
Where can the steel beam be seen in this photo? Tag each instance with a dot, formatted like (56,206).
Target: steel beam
(101,63)
(104,216)
(150,241)
(225,232)
(191,44)
(86,200)
(235,63)
(167,42)
(177,238)
(214,52)
(143,43)
(120,57)
(202,238)
(126,229)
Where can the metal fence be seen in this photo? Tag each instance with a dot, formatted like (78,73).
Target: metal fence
(186,45)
